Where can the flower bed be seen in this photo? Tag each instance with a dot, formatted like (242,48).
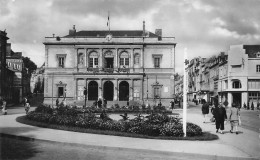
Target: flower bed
(155,124)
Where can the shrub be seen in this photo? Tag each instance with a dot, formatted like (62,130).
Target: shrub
(156,124)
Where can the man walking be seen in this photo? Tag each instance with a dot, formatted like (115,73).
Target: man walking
(220,116)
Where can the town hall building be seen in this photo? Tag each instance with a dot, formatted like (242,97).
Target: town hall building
(116,65)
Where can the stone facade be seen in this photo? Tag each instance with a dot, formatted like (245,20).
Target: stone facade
(112,65)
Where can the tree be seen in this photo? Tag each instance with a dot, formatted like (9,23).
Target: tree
(29,64)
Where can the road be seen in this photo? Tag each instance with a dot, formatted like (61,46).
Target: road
(14,148)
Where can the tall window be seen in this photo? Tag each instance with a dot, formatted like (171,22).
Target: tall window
(60,91)
(61,60)
(236,84)
(257,68)
(93,60)
(157,62)
(124,59)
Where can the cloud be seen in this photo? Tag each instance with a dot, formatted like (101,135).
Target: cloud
(118,8)
(4,10)
(205,27)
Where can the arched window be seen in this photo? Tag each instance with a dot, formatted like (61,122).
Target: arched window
(93,60)
(137,58)
(124,59)
(236,84)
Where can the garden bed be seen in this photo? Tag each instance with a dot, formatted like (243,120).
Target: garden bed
(154,125)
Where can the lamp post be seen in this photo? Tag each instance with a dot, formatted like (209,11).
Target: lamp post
(184,117)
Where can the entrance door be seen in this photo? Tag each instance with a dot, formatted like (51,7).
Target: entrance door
(123,91)
(109,62)
(237,98)
(93,90)
(108,91)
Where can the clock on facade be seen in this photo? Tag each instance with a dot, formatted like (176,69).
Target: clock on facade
(109,37)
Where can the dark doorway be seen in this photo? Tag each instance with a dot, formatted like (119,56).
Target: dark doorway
(93,90)
(237,98)
(108,91)
(109,62)
(123,91)
(60,91)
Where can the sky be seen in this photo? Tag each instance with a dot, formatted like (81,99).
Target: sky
(204,27)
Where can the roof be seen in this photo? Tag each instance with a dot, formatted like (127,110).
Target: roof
(115,33)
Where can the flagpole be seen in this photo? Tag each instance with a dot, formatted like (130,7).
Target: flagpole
(184,117)
(108,22)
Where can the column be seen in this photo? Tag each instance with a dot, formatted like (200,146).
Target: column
(87,81)
(116,59)
(131,89)
(100,88)
(142,90)
(101,56)
(229,99)
(131,58)
(75,88)
(76,65)
(86,59)
(244,99)
(116,89)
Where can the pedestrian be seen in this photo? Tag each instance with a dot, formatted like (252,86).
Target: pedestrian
(57,102)
(4,110)
(234,117)
(27,105)
(172,104)
(212,110)
(99,103)
(204,109)
(220,116)
(105,103)
(25,101)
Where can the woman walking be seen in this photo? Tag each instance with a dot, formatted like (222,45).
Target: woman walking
(234,117)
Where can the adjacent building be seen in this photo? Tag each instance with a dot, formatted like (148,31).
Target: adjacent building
(118,65)
(233,76)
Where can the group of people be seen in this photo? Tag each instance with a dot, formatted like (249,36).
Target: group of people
(220,116)
(99,102)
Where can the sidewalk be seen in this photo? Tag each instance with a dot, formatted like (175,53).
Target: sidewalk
(242,146)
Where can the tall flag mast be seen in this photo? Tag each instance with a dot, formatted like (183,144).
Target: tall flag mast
(108,22)
(184,115)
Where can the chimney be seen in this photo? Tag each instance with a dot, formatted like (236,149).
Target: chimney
(72,32)
(143,28)
(158,32)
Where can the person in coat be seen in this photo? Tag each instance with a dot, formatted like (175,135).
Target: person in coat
(27,105)
(204,109)
(234,117)
(220,116)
